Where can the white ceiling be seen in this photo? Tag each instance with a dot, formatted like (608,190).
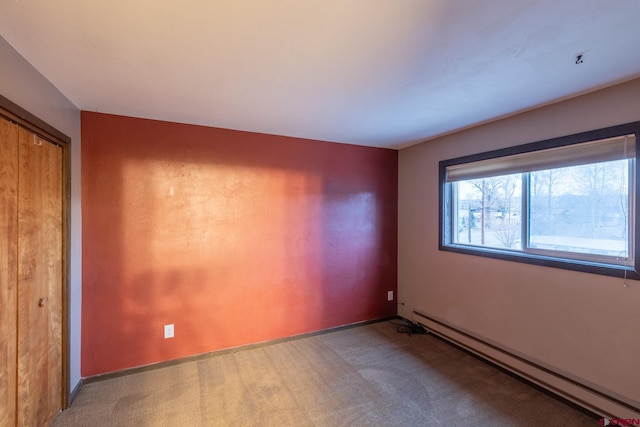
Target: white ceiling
(386,73)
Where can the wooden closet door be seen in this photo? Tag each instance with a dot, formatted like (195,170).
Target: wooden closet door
(39,280)
(8,270)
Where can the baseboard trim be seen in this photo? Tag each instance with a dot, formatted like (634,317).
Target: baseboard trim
(160,365)
(74,393)
(505,366)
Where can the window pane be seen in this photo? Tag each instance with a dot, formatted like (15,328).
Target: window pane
(488,212)
(581,209)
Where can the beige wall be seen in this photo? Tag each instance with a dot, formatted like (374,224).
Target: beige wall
(25,86)
(583,325)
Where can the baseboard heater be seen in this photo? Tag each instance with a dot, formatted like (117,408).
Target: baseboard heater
(443,328)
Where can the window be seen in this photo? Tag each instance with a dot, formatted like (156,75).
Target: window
(567,202)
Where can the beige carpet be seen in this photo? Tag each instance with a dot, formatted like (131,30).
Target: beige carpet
(362,376)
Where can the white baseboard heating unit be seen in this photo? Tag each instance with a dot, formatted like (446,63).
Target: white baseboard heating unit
(577,390)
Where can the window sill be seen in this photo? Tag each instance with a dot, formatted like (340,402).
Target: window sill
(613,270)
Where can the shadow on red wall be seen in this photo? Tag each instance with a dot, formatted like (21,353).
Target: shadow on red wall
(233,237)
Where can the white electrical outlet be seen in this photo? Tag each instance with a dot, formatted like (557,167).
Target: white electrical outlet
(390,296)
(168,331)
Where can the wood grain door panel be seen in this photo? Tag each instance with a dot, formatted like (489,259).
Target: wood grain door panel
(8,268)
(39,280)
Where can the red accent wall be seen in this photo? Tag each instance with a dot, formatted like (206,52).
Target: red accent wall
(234,237)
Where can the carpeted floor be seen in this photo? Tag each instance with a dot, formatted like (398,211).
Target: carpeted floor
(362,376)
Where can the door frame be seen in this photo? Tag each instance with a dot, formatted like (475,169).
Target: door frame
(16,114)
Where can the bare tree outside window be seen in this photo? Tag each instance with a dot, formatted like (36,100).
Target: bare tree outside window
(584,209)
(508,230)
(489,211)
